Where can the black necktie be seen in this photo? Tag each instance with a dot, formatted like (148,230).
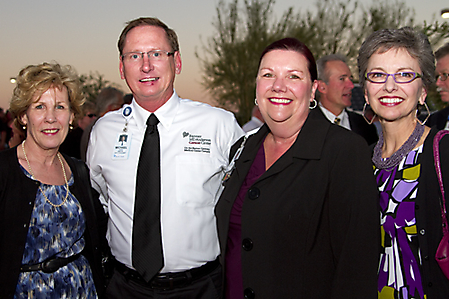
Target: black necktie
(147,243)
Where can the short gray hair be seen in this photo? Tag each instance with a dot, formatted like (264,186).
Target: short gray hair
(414,42)
(443,51)
(321,65)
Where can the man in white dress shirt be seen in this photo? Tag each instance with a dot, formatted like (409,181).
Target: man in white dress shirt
(195,140)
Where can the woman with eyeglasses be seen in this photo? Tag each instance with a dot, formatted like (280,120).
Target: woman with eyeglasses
(396,70)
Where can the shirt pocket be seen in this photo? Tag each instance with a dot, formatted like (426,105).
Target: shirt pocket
(198,180)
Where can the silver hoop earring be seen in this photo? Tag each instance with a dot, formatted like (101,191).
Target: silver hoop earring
(255,102)
(313,104)
(428,115)
(366,119)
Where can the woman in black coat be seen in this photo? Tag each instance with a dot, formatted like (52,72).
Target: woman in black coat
(298,216)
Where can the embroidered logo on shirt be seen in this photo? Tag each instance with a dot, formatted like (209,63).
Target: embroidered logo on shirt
(196,143)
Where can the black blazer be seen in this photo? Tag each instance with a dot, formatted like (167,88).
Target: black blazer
(312,217)
(361,127)
(358,125)
(428,216)
(17,195)
(439,118)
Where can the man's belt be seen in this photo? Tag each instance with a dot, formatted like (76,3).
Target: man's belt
(168,281)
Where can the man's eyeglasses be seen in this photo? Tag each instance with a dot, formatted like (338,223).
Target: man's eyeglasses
(442,77)
(154,55)
(401,77)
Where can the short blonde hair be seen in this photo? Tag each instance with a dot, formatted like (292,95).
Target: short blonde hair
(34,80)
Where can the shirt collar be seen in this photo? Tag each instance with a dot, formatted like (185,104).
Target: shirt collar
(330,116)
(257,121)
(166,113)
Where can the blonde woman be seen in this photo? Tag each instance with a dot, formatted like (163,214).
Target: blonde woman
(49,241)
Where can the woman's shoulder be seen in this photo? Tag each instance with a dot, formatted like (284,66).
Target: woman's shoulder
(77,166)
(7,156)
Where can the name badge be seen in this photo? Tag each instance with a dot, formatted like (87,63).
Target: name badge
(122,146)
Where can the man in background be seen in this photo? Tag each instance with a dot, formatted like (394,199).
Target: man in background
(255,122)
(109,99)
(71,145)
(440,118)
(335,91)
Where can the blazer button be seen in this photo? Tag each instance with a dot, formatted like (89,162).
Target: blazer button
(422,232)
(247,244)
(249,293)
(253,193)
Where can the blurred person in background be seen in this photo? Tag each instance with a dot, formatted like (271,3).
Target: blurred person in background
(440,118)
(334,96)
(109,99)
(71,145)
(256,120)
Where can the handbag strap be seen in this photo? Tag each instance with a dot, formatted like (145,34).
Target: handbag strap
(436,154)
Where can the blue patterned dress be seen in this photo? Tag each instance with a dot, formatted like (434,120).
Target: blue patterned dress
(400,259)
(56,231)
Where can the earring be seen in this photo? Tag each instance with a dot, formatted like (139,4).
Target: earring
(366,119)
(70,127)
(428,115)
(255,102)
(24,127)
(313,104)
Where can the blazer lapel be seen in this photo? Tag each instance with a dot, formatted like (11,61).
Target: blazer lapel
(308,145)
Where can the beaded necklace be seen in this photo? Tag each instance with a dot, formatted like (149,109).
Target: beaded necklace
(398,155)
(63,172)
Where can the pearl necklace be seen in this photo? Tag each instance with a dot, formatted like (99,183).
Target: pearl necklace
(63,172)
(396,158)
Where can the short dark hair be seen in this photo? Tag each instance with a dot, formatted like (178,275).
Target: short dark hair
(292,44)
(147,21)
(415,43)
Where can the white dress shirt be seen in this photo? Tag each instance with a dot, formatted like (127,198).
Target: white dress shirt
(254,123)
(343,116)
(195,141)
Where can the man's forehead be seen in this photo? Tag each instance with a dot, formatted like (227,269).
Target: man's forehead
(443,63)
(339,70)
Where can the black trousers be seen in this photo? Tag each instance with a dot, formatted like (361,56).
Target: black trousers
(206,287)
